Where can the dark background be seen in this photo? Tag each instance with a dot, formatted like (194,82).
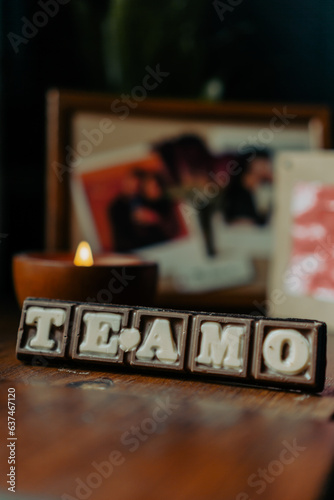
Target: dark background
(258,50)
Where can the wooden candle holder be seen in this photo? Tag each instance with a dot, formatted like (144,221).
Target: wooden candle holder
(113,278)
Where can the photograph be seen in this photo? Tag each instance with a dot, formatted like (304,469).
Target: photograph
(127,201)
(312,228)
(219,181)
(150,186)
(301,275)
(194,196)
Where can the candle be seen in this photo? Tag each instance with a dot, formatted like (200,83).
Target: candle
(80,276)
(83,255)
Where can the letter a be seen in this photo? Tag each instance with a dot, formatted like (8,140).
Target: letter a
(159,343)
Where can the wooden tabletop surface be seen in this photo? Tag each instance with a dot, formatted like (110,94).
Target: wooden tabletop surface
(114,435)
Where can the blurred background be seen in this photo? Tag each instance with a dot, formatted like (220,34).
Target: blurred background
(278,51)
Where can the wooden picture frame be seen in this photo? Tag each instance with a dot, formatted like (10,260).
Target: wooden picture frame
(63,108)
(301,284)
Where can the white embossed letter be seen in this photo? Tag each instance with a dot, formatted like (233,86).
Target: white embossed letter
(43,318)
(98,326)
(221,347)
(286,351)
(159,342)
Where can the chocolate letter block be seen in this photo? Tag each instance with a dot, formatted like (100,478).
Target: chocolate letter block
(220,345)
(96,333)
(163,339)
(44,328)
(289,354)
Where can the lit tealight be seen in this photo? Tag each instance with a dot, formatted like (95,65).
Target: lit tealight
(83,255)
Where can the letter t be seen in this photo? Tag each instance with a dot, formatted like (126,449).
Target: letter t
(44,318)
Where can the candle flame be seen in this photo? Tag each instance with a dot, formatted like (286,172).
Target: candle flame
(83,255)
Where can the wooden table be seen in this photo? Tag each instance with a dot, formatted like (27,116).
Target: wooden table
(114,435)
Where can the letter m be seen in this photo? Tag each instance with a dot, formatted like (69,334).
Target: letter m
(221,347)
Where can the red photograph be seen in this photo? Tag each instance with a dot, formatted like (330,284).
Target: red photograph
(311,268)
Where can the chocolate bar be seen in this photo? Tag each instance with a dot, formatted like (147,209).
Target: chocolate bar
(249,350)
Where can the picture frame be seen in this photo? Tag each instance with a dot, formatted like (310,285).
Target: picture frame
(301,277)
(70,113)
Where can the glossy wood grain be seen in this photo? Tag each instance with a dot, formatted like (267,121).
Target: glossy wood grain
(211,442)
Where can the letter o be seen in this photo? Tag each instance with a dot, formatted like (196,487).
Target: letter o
(141,96)
(275,468)
(107,293)
(211,190)
(40,15)
(97,481)
(84,148)
(298,356)
(263,138)
(149,426)
(310,264)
